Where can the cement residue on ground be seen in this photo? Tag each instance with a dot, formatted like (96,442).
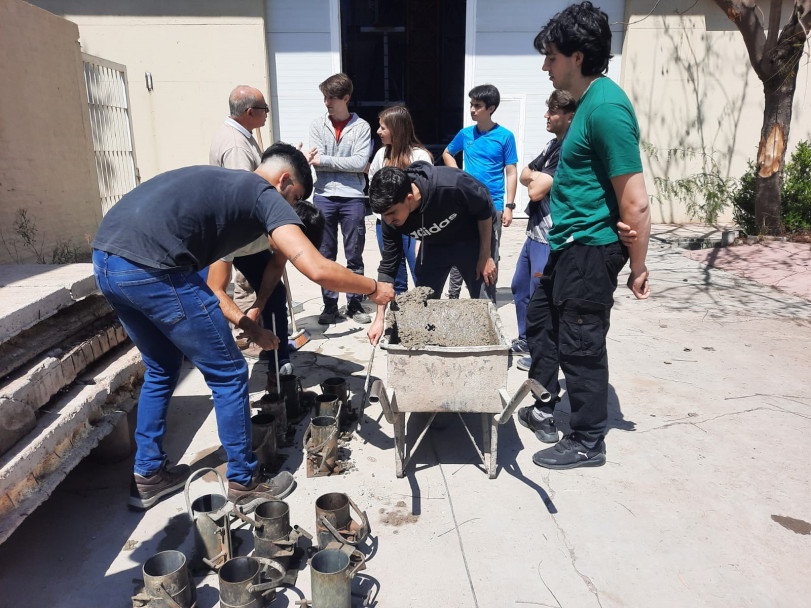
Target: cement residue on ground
(416,321)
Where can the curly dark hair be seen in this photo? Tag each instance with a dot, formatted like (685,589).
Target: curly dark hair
(390,186)
(579,27)
(313,221)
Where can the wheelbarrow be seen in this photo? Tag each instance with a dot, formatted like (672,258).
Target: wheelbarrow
(451,379)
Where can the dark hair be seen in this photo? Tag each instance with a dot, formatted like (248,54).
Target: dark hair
(297,162)
(562,100)
(403,138)
(487,94)
(336,85)
(313,221)
(579,27)
(390,186)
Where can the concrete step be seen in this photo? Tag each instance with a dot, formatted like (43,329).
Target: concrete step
(66,431)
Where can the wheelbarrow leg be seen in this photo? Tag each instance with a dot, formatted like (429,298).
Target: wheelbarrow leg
(493,445)
(399,443)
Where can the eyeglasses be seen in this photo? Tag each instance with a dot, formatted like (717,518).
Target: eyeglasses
(264,108)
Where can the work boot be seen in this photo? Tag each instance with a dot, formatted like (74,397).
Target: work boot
(146,491)
(279,486)
(545,430)
(328,315)
(569,454)
(354,310)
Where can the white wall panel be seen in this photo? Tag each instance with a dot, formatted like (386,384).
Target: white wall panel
(302,52)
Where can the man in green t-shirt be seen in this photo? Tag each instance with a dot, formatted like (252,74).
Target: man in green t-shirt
(601,218)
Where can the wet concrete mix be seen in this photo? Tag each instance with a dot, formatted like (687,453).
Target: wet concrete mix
(416,320)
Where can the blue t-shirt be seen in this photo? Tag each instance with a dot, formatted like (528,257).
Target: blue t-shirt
(191,217)
(486,155)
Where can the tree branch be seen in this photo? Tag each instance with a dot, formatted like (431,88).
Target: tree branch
(775,9)
(748,19)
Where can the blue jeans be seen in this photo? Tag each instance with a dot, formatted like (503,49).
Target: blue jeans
(528,271)
(349,213)
(253,267)
(169,314)
(409,245)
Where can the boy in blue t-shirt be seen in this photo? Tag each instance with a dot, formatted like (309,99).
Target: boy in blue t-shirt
(489,153)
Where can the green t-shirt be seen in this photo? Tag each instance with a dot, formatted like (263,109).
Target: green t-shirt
(602,142)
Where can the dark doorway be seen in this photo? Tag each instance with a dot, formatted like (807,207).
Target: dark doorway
(408,52)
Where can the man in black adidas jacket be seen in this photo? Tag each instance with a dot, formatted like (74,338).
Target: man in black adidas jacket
(450,212)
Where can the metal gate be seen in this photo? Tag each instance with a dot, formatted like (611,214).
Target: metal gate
(111,126)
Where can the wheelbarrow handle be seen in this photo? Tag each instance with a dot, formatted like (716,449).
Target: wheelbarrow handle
(541,394)
(378,394)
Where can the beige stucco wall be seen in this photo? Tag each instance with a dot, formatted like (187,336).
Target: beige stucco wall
(197,51)
(46,154)
(694,89)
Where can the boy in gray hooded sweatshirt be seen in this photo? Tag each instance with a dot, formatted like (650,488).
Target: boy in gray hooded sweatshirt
(341,145)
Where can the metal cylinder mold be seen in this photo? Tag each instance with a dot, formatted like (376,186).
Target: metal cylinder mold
(337,386)
(333,520)
(331,572)
(167,583)
(212,530)
(327,404)
(291,389)
(263,438)
(274,403)
(321,443)
(240,581)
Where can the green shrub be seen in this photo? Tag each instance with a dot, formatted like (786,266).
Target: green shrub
(743,201)
(795,194)
(796,190)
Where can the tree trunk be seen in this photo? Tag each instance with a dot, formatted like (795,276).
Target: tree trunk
(775,59)
(771,156)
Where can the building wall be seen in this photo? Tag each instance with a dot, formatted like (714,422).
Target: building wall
(500,52)
(46,157)
(303,40)
(197,51)
(695,92)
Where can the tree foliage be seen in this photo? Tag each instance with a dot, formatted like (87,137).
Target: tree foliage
(775,54)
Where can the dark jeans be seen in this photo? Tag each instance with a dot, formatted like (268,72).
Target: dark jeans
(169,314)
(349,213)
(567,323)
(409,246)
(253,267)
(434,263)
(455,284)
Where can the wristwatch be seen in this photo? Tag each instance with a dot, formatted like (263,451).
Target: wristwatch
(510,205)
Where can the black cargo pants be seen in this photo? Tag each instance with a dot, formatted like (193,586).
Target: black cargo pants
(567,323)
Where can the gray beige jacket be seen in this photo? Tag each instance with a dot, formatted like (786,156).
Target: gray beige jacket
(340,172)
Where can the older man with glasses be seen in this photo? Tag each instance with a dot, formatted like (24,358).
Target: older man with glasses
(234,147)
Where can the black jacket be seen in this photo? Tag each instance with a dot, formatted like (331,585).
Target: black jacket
(452,204)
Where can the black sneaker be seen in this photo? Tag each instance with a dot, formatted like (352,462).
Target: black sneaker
(524,363)
(545,430)
(570,453)
(354,310)
(519,345)
(146,491)
(329,314)
(279,486)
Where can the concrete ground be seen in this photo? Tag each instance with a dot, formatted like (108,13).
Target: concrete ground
(702,501)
